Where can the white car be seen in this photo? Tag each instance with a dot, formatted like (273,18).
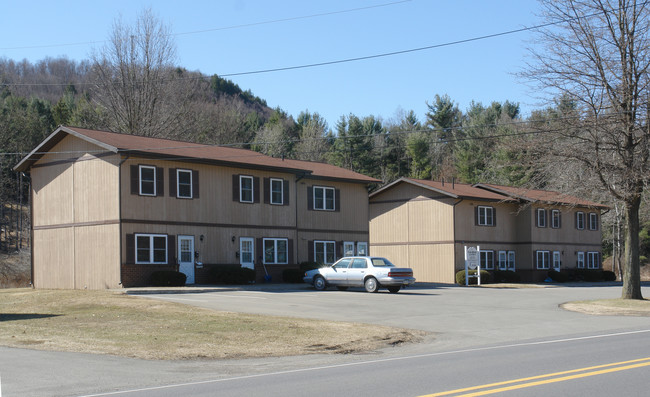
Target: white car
(370,272)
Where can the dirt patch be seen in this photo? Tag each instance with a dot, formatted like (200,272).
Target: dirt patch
(611,307)
(109,322)
(15,269)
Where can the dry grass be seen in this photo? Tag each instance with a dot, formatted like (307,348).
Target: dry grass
(15,269)
(611,307)
(109,322)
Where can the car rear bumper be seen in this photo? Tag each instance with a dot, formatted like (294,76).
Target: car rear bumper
(395,281)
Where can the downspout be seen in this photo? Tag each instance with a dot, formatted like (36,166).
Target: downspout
(119,203)
(31,232)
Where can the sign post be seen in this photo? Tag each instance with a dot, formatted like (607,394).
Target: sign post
(472,262)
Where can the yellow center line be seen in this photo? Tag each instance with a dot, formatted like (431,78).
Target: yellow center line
(620,366)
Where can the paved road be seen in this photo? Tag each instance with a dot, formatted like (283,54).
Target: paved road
(460,318)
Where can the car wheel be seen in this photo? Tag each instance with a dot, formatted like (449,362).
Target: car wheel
(342,288)
(319,283)
(371,284)
(394,290)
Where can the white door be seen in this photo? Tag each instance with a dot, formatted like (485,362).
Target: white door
(556,261)
(246,252)
(186,257)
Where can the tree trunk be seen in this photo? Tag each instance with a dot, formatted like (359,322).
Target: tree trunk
(631,272)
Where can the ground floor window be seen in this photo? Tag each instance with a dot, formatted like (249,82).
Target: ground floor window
(150,248)
(581,260)
(276,250)
(362,248)
(557,260)
(543,259)
(511,260)
(487,260)
(246,252)
(593,260)
(324,252)
(348,248)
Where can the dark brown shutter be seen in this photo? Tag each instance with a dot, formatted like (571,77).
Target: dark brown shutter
(576,220)
(195,184)
(267,190)
(337,200)
(172,182)
(285,192)
(259,251)
(310,199)
(256,189)
(171,250)
(494,216)
(338,250)
(160,181)
(290,253)
(559,220)
(476,216)
(310,250)
(135,179)
(130,248)
(235,187)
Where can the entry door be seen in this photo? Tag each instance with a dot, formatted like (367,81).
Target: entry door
(186,257)
(246,252)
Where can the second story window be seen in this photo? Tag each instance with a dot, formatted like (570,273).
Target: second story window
(580,220)
(556,220)
(541,217)
(593,221)
(277,191)
(324,198)
(147,180)
(245,189)
(485,216)
(184,183)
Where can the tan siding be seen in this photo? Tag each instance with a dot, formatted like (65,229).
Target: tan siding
(53,194)
(97,257)
(96,197)
(389,223)
(430,262)
(430,221)
(467,229)
(353,214)
(54,258)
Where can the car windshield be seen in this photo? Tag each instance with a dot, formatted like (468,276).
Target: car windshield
(381,262)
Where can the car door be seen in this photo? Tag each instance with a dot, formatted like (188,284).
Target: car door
(357,272)
(338,274)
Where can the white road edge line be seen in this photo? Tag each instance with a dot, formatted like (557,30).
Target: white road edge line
(371,362)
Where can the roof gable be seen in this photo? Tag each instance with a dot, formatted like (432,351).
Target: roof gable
(453,190)
(540,196)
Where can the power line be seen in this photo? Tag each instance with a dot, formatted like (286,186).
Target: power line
(246,25)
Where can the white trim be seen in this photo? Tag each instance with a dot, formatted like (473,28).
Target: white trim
(324,198)
(503,260)
(178,183)
(580,262)
(281,191)
(250,264)
(593,258)
(151,248)
(541,217)
(545,262)
(593,216)
(140,168)
(557,260)
(186,267)
(326,244)
(513,262)
(275,251)
(346,248)
(485,264)
(241,189)
(363,252)
(559,219)
(485,215)
(580,216)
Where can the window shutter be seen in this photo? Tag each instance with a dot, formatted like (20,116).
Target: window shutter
(290,253)
(195,184)
(494,216)
(576,220)
(310,250)
(172,182)
(476,216)
(310,199)
(160,181)
(171,250)
(259,250)
(337,200)
(256,189)
(285,192)
(130,247)
(235,187)
(559,220)
(267,190)
(338,249)
(135,179)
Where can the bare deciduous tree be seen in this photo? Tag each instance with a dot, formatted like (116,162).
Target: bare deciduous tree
(137,81)
(597,54)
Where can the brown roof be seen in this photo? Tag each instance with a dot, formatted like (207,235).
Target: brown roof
(187,151)
(451,189)
(543,196)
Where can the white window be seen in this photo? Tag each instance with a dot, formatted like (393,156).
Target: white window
(485,216)
(581,260)
(556,220)
(541,217)
(277,191)
(246,252)
(348,248)
(245,189)
(593,221)
(592,260)
(362,248)
(150,248)
(543,259)
(184,183)
(324,198)
(276,250)
(487,260)
(324,252)
(557,260)
(503,260)
(147,180)
(511,260)
(580,220)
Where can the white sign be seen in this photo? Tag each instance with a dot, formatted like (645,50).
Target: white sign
(472,258)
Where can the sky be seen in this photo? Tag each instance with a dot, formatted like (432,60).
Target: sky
(233,37)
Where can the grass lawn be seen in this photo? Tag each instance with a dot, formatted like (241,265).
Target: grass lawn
(109,322)
(611,307)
